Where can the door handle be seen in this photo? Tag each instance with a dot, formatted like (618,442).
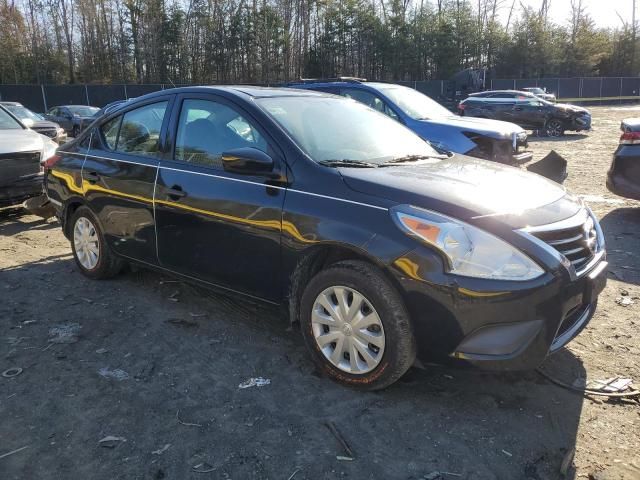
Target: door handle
(92,177)
(176,192)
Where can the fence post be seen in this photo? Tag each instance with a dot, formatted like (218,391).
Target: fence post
(514,83)
(125,92)
(601,89)
(86,93)
(558,89)
(44,98)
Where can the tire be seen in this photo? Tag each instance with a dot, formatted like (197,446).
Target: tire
(394,350)
(104,264)
(554,128)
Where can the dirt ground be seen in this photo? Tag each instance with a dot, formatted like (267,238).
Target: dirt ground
(158,364)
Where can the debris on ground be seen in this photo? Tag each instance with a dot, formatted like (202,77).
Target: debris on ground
(255,382)
(624,301)
(601,199)
(12,372)
(116,374)
(183,322)
(553,166)
(160,451)
(101,351)
(203,468)
(13,451)
(612,385)
(66,333)
(338,436)
(111,441)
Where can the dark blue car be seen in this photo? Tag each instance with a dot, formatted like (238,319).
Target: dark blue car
(495,140)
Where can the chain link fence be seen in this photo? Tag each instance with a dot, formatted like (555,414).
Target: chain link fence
(40,98)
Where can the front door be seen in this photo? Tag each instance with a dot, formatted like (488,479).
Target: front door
(217,226)
(119,177)
(529,113)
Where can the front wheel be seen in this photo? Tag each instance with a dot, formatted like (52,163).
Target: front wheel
(356,326)
(91,253)
(554,128)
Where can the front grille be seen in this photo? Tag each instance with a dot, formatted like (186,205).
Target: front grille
(49,132)
(578,243)
(26,157)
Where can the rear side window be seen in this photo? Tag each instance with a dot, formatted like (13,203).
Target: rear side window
(370,100)
(140,129)
(110,132)
(206,129)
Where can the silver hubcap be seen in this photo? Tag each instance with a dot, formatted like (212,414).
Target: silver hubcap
(348,330)
(85,240)
(554,129)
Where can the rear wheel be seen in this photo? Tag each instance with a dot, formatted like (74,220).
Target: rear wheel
(91,253)
(356,326)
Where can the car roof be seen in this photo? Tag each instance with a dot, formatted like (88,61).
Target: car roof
(13,104)
(242,91)
(486,92)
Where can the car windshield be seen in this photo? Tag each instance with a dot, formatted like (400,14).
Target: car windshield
(83,111)
(332,129)
(23,113)
(415,104)
(7,122)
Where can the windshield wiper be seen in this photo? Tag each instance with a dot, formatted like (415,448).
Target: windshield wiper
(413,158)
(348,163)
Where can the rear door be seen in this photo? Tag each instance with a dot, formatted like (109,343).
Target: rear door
(119,176)
(217,226)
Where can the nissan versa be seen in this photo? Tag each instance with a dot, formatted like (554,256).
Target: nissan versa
(383,250)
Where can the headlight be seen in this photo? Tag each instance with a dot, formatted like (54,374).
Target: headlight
(469,251)
(49,150)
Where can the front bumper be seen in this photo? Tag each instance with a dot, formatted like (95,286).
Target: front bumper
(581,123)
(496,325)
(21,190)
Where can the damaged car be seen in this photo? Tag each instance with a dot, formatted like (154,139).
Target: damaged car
(493,140)
(22,152)
(527,110)
(623,177)
(382,250)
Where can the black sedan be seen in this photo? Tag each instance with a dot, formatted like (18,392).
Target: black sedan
(623,177)
(527,110)
(381,249)
(21,154)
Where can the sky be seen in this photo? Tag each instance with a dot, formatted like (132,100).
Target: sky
(603,12)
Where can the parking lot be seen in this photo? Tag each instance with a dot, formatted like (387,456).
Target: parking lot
(139,376)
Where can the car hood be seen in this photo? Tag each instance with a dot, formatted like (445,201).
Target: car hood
(484,126)
(468,189)
(567,107)
(21,141)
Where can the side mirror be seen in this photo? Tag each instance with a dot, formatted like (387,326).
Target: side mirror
(247,161)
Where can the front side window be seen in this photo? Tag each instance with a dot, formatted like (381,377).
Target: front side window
(332,128)
(206,129)
(109,132)
(140,129)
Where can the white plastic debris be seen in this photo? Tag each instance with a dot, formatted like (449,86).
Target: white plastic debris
(116,374)
(255,382)
(66,333)
(110,441)
(160,451)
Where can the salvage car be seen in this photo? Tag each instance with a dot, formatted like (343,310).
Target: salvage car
(541,93)
(21,153)
(381,248)
(623,177)
(71,117)
(527,110)
(488,139)
(36,122)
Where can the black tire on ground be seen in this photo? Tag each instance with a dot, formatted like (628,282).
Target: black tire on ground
(108,264)
(400,347)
